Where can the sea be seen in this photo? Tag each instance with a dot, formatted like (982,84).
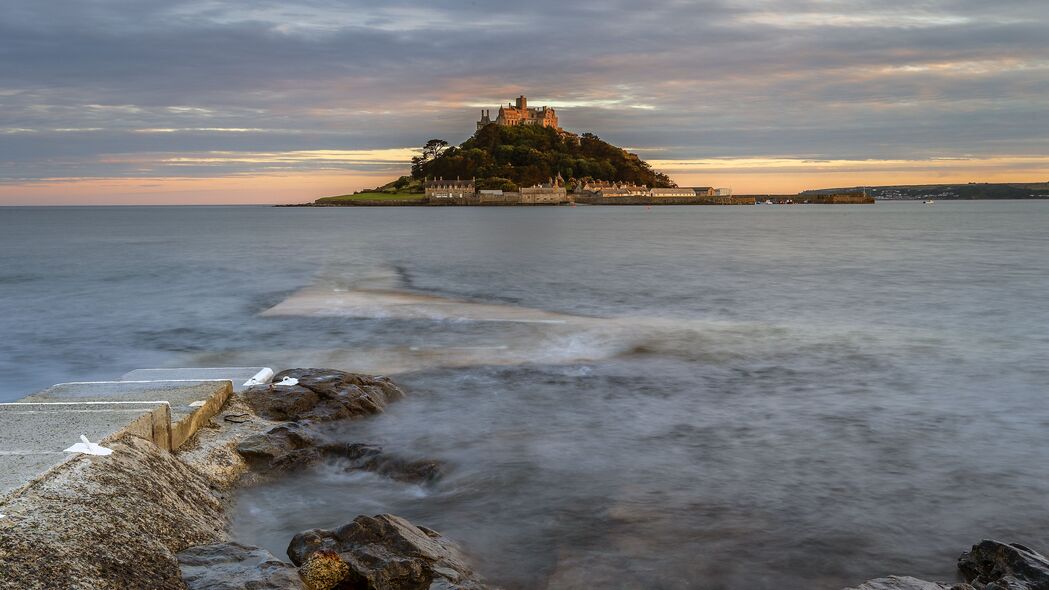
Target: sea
(759,397)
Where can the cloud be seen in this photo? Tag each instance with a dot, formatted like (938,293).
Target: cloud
(83,83)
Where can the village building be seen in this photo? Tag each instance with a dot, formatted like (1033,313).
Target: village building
(614,189)
(449,189)
(520,114)
(545,193)
(704,191)
(672,192)
(594,186)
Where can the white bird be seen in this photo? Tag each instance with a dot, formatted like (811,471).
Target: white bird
(89,448)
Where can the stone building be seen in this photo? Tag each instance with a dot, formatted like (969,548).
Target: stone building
(545,193)
(615,189)
(672,192)
(449,189)
(520,114)
(704,191)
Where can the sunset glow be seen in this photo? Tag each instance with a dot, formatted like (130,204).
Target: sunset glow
(161,102)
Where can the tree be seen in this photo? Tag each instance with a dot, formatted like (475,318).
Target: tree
(526,154)
(433,148)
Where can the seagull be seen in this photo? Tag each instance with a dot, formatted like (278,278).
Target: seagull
(88,448)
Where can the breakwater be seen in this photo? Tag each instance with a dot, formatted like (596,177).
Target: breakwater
(144,506)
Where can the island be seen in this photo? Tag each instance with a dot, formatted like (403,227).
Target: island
(522,156)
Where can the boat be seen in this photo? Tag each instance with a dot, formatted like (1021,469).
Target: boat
(929,202)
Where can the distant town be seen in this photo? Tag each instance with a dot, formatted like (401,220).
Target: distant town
(555,192)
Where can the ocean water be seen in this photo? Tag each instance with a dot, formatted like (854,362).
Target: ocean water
(678,397)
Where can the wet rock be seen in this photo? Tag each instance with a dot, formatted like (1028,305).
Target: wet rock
(991,565)
(387,552)
(232,566)
(324,570)
(322,395)
(293,446)
(907,583)
(281,402)
(283,447)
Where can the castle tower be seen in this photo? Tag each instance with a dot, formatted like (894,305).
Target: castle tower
(486,118)
(520,114)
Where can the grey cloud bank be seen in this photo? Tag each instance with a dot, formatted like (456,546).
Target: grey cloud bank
(84,83)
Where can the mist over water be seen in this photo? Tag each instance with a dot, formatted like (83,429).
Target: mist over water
(743,398)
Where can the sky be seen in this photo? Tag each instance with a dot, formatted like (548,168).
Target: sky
(253,101)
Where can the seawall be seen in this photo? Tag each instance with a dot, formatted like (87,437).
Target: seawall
(116,521)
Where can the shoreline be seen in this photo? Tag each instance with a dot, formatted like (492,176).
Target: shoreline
(728,201)
(149,517)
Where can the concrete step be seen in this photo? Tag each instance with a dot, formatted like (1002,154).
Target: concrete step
(33,435)
(240,376)
(191,403)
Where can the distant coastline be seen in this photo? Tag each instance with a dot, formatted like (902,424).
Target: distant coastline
(947,192)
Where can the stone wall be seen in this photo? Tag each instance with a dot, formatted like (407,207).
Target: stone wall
(592,199)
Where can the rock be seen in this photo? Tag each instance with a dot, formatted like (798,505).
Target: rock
(283,447)
(387,552)
(324,570)
(907,583)
(281,402)
(322,395)
(232,566)
(108,523)
(292,446)
(991,565)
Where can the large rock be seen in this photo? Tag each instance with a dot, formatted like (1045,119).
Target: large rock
(108,523)
(322,395)
(907,583)
(325,570)
(293,446)
(991,565)
(232,566)
(384,552)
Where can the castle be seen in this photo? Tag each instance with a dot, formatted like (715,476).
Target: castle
(520,114)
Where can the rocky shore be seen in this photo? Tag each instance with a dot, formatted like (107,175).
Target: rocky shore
(148,518)
(989,565)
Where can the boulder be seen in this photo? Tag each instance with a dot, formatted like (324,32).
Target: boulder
(282,402)
(322,395)
(907,583)
(232,566)
(283,447)
(991,565)
(324,569)
(293,446)
(384,552)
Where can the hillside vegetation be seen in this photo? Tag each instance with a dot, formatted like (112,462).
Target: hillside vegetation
(509,157)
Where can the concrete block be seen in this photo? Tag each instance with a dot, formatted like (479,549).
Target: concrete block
(192,403)
(33,435)
(238,375)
